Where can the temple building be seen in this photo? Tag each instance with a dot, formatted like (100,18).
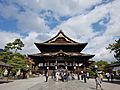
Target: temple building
(61,52)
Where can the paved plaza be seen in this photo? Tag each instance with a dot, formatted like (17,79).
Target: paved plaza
(40,84)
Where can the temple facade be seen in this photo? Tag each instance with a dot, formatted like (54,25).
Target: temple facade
(61,52)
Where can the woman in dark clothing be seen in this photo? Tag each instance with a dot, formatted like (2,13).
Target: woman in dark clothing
(112,77)
(8,73)
(46,75)
(85,77)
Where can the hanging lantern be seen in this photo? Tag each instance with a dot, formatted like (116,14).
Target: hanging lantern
(47,68)
(74,67)
(56,67)
(65,67)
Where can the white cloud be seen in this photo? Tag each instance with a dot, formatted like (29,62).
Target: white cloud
(30,21)
(7,37)
(29,43)
(113,28)
(33,37)
(27,20)
(78,27)
(81,24)
(61,7)
(8,11)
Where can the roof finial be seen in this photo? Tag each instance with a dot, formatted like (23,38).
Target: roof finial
(61,30)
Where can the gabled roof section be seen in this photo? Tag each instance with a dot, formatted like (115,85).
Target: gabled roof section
(60,42)
(60,38)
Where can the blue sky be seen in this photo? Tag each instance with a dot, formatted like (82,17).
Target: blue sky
(92,21)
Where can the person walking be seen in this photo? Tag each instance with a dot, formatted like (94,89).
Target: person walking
(57,76)
(101,77)
(108,76)
(87,75)
(84,77)
(62,75)
(6,74)
(82,74)
(112,77)
(46,75)
(98,82)
(78,75)
(18,74)
(53,74)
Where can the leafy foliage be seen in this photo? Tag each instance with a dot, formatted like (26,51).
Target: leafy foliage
(12,57)
(102,64)
(5,56)
(18,61)
(101,67)
(90,69)
(16,45)
(116,48)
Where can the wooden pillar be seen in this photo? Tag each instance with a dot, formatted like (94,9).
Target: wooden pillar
(74,66)
(84,66)
(48,64)
(56,64)
(66,65)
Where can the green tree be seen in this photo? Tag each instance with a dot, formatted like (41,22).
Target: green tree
(5,56)
(115,47)
(18,61)
(91,69)
(8,47)
(15,45)
(12,57)
(101,67)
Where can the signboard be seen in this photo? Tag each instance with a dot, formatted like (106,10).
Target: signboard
(60,58)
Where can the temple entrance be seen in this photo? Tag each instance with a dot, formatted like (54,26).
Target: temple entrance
(61,67)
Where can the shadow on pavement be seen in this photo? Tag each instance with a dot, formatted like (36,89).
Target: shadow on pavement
(4,81)
(113,82)
(93,88)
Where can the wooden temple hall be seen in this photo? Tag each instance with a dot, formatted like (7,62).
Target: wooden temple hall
(61,52)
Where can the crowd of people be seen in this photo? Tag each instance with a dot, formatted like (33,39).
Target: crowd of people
(65,75)
(109,76)
(10,73)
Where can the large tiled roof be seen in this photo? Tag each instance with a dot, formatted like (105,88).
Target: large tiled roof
(4,64)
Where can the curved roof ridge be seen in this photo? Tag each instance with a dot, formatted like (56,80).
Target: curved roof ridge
(60,34)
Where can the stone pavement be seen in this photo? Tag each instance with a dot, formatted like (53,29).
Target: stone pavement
(40,84)
(5,81)
(70,85)
(105,85)
(73,85)
(22,84)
